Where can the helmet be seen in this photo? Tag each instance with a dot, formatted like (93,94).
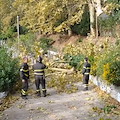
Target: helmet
(39,59)
(86,59)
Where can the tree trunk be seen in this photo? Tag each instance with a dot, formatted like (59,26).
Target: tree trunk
(98,7)
(69,32)
(69,16)
(92,19)
(98,11)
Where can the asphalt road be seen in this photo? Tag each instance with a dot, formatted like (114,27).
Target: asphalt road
(82,105)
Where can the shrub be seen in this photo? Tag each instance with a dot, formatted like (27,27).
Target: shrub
(79,40)
(8,33)
(8,70)
(44,43)
(75,60)
(117,42)
(27,41)
(108,65)
(92,61)
(83,27)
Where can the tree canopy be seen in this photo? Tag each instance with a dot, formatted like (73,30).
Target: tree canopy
(42,15)
(49,16)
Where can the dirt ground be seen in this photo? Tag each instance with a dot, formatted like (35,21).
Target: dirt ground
(63,40)
(82,105)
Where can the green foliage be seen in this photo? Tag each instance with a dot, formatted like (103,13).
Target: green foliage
(104,60)
(117,42)
(45,43)
(75,60)
(22,30)
(41,15)
(79,40)
(107,109)
(111,22)
(27,42)
(108,65)
(115,1)
(58,22)
(93,65)
(7,34)
(0,29)
(83,27)
(107,25)
(104,119)
(8,70)
(50,16)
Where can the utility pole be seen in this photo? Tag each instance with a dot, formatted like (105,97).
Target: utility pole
(96,25)
(18,33)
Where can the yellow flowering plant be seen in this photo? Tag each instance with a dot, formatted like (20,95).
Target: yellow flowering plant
(108,66)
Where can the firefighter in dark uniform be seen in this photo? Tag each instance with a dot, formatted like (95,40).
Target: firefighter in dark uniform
(24,75)
(86,72)
(39,76)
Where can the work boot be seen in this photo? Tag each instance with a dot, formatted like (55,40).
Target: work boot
(24,97)
(38,94)
(44,93)
(85,89)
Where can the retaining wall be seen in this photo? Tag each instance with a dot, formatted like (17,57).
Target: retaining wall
(114,91)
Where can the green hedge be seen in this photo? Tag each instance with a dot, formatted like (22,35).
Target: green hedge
(9,70)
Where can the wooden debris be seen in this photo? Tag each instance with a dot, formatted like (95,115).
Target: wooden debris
(62,70)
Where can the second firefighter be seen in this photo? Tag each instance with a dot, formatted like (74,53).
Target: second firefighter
(39,76)
(86,72)
(24,75)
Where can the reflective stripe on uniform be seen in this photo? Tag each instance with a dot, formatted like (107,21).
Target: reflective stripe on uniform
(43,89)
(39,70)
(37,90)
(24,70)
(26,75)
(38,73)
(86,73)
(23,92)
(86,67)
(85,85)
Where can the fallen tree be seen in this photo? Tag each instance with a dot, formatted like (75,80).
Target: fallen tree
(63,70)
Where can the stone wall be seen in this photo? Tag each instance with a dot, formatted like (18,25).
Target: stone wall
(114,91)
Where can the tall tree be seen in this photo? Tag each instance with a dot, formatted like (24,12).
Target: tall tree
(42,15)
(74,10)
(6,15)
(92,17)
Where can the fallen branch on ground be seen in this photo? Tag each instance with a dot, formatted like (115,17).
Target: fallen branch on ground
(62,70)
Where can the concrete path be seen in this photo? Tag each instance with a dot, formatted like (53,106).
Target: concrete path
(82,105)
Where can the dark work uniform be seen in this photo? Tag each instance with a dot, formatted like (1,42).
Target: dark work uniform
(39,77)
(24,74)
(86,72)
